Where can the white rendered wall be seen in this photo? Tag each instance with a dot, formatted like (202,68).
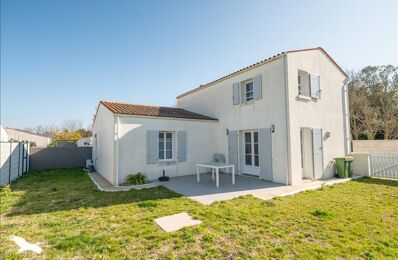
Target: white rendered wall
(326,113)
(216,101)
(103,156)
(132,146)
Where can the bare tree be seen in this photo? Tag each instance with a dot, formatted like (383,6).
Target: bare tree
(72,125)
(373,95)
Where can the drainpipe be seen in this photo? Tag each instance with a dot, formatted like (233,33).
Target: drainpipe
(347,131)
(285,79)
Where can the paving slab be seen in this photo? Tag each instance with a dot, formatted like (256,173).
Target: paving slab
(176,222)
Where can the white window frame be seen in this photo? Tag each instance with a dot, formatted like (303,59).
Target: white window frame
(247,98)
(252,144)
(165,150)
(303,87)
(300,84)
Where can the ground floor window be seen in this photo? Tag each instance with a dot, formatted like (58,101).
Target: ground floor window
(165,145)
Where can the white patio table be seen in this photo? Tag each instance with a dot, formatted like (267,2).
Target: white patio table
(215,167)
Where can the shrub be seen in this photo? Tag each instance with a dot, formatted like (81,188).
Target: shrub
(321,213)
(147,204)
(136,179)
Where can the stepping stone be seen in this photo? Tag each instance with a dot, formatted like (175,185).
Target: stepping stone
(176,222)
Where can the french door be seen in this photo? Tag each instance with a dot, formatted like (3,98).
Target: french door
(251,159)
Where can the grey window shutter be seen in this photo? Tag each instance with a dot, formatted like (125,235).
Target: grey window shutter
(257,87)
(235,93)
(265,153)
(152,146)
(181,146)
(315,86)
(317,146)
(233,148)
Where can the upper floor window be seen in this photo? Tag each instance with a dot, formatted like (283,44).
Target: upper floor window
(300,84)
(165,145)
(249,91)
(303,84)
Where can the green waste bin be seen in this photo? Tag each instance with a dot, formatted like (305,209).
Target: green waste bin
(344,167)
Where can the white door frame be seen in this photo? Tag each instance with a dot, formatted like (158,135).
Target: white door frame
(306,153)
(244,168)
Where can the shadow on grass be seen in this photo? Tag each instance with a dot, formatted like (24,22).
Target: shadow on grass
(377,181)
(66,189)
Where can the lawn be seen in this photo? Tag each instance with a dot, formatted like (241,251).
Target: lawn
(63,210)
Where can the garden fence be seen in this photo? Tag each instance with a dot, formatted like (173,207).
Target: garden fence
(14,161)
(384,165)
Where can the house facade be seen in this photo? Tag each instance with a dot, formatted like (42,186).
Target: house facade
(282,119)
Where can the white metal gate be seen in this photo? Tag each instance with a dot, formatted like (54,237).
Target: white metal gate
(384,165)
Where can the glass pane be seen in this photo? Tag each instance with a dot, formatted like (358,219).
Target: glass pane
(168,136)
(256,149)
(161,135)
(248,149)
(161,145)
(161,155)
(168,145)
(248,138)
(256,162)
(255,137)
(248,160)
(249,86)
(168,154)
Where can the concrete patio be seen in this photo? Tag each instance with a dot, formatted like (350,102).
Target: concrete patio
(206,191)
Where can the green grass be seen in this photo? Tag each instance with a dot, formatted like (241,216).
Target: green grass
(64,211)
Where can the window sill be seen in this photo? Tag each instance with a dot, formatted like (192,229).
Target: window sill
(303,98)
(250,102)
(166,162)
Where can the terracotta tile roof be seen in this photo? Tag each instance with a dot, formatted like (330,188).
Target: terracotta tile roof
(257,64)
(155,111)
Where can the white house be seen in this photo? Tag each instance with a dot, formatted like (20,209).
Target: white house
(22,135)
(86,141)
(282,119)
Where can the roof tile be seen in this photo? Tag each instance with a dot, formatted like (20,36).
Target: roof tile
(154,111)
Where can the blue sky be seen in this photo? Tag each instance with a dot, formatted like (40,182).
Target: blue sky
(59,58)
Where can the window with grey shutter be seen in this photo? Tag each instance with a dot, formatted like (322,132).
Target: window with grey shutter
(152,146)
(315,86)
(257,86)
(236,93)
(181,146)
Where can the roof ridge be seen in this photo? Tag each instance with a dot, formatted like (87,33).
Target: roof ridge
(202,86)
(134,104)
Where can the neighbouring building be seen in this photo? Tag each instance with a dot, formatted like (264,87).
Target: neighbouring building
(86,141)
(282,119)
(3,134)
(22,135)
